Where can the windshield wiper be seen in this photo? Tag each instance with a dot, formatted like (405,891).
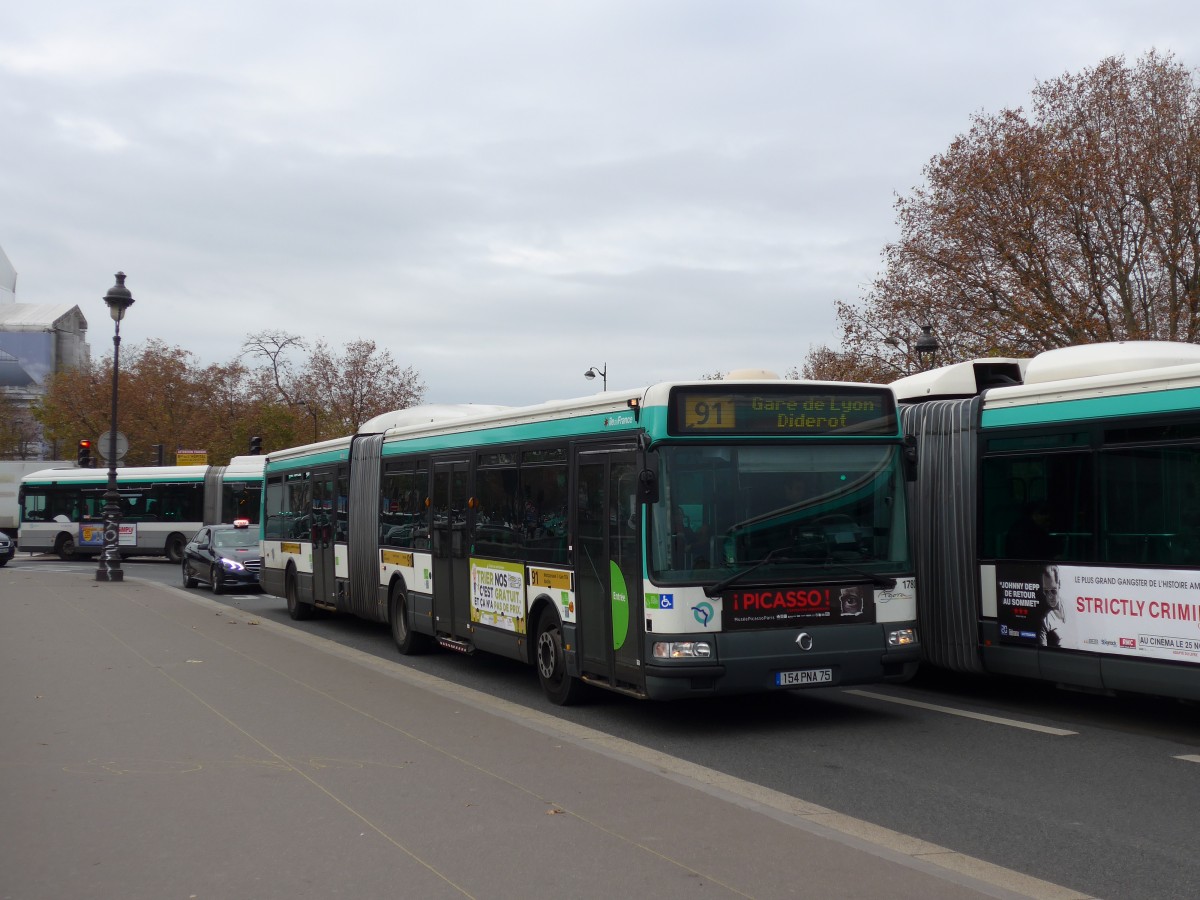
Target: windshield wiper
(714,590)
(884,581)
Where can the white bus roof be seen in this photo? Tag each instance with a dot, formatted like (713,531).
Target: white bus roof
(965,379)
(246,466)
(1108,359)
(124,474)
(1086,369)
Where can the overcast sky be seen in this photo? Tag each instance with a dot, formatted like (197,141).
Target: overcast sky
(502,194)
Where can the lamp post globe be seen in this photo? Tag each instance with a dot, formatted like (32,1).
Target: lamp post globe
(119,299)
(591,374)
(927,347)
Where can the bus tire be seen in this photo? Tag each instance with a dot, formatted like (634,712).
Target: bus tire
(174,548)
(551,661)
(65,547)
(297,610)
(408,641)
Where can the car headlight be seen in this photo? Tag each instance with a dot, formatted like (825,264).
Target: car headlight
(232,565)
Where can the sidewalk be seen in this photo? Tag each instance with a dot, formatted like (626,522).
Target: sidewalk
(159,745)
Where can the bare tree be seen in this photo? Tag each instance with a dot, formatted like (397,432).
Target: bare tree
(343,391)
(273,347)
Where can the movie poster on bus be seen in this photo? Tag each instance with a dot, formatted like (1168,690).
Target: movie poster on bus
(498,594)
(1143,613)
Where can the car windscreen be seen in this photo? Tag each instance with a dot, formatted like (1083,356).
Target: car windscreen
(231,540)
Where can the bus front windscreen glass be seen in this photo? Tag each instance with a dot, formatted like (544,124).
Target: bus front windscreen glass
(820,510)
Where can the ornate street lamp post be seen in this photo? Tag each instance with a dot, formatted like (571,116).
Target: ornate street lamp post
(118,299)
(927,347)
(591,374)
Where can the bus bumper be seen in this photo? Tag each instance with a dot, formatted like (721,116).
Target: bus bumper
(749,661)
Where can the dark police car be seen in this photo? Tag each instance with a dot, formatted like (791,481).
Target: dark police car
(223,556)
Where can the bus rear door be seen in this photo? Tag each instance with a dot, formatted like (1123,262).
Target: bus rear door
(451,579)
(321,532)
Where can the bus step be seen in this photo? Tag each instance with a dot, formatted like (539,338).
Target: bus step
(619,687)
(457,646)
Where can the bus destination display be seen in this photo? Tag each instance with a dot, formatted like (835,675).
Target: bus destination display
(790,411)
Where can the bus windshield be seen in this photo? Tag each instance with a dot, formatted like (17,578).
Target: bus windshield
(827,510)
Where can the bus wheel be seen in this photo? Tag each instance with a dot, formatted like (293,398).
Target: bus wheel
(561,688)
(175,548)
(296,609)
(408,642)
(65,548)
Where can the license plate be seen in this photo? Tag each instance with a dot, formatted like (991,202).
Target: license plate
(804,676)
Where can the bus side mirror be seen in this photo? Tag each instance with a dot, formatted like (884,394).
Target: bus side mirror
(647,490)
(909,458)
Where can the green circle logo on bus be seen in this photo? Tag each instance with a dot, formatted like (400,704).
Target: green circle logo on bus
(703,613)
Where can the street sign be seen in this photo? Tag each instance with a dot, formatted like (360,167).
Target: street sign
(191,457)
(122,445)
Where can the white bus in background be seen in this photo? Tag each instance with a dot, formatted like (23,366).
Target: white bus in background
(62,510)
(11,473)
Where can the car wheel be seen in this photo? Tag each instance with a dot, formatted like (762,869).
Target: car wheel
(214,579)
(188,580)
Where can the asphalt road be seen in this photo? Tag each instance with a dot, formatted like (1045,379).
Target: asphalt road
(1091,792)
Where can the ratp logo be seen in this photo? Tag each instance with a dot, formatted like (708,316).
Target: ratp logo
(703,613)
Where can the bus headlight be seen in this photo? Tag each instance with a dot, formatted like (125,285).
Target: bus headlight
(902,637)
(682,650)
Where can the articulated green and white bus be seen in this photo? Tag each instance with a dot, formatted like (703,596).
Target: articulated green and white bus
(1057,512)
(62,510)
(685,540)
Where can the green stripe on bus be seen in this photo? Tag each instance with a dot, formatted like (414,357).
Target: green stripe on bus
(1092,408)
(314,459)
(606,423)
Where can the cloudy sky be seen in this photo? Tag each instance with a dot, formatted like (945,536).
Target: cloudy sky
(502,194)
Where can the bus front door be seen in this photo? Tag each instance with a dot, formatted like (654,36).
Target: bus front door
(321,526)
(451,580)
(608,569)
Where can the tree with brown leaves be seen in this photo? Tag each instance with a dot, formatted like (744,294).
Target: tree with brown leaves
(1076,223)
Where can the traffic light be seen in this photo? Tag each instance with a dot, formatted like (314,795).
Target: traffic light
(84,456)
(158,454)
(255,445)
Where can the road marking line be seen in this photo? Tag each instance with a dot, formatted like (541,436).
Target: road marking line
(1189,757)
(982,717)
